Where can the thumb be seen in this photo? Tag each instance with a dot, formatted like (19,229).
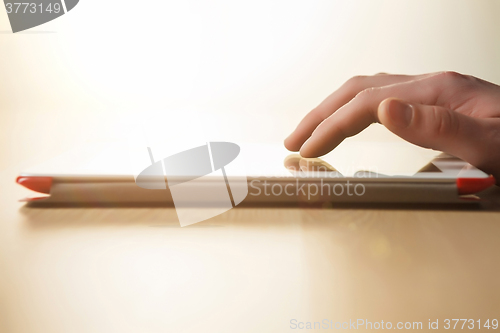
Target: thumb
(435,127)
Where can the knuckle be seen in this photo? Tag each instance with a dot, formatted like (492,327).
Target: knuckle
(358,78)
(367,93)
(451,76)
(450,79)
(355,81)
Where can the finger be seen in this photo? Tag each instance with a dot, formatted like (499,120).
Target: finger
(436,127)
(361,111)
(339,98)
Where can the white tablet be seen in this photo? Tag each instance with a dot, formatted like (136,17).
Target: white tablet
(214,172)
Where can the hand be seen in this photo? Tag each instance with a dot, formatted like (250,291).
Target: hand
(447,111)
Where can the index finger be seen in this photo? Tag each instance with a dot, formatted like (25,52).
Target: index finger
(338,99)
(361,111)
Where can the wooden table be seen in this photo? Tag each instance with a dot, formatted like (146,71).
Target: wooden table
(248,270)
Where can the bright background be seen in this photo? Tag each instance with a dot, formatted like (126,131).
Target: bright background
(248,70)
(243,69)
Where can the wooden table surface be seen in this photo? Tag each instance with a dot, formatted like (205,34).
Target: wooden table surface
(123,269)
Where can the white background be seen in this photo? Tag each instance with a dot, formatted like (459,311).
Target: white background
(248,70)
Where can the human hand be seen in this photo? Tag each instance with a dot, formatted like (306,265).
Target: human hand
(447,111)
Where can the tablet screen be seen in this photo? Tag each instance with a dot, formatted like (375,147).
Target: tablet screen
(350,159)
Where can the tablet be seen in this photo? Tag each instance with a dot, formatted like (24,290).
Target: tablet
(223,173)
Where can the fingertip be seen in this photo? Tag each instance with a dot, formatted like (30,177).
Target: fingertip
(310,150)
(305,150)
(306,153)
(291,144)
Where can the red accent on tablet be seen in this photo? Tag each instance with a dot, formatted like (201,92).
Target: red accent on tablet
(33,199)
(38,184)
(474,185)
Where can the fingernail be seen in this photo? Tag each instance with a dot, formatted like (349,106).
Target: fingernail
(400,113)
